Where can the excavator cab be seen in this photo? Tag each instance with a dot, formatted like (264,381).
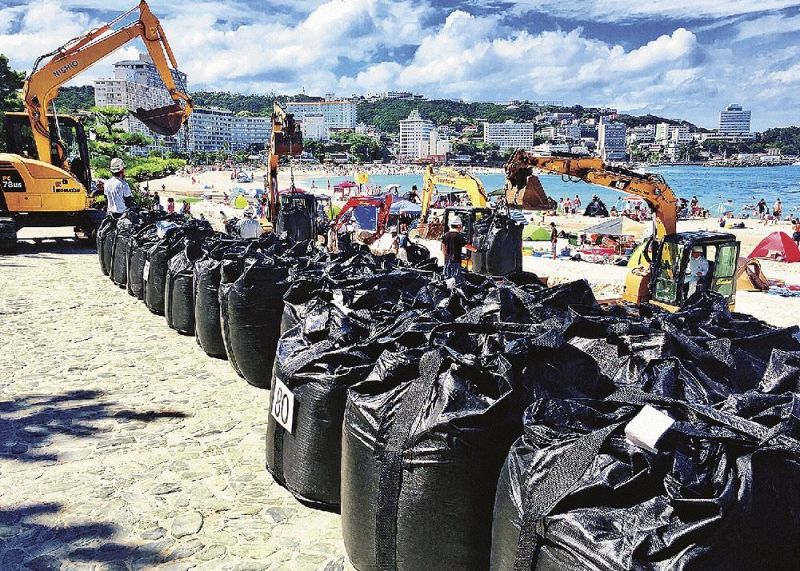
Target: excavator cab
(468,216)
(671,282)
(68,147)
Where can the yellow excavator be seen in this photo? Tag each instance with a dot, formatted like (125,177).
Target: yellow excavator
(45,178)
(463,183)
(661,278)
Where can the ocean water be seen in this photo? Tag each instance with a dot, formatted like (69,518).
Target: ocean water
(711,185)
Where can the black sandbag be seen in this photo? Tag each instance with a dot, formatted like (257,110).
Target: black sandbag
(307,458)
(499,243)
(294,222)
(138,246)
(126,227)
(720,493)
(161,253)
(251,306)
(422,445)
(106,233)
(179,289)
(207,276)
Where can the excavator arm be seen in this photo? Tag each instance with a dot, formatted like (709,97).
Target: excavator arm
(651,188)
(79,54)
(286,139)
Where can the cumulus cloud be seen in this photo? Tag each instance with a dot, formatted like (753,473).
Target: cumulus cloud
(615,11)
(369,46)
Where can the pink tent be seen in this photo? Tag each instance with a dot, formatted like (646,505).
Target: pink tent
(777,246)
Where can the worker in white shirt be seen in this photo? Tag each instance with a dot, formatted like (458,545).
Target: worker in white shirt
(118,194)
(248,226)
(696,271)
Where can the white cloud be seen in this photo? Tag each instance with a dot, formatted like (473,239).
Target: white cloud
(774,24)
(464,56)
(615,11)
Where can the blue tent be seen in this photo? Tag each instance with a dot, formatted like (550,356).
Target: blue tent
(401,205)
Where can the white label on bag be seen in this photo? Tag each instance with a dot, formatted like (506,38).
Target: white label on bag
(283,405)
(146,271)
(647,428)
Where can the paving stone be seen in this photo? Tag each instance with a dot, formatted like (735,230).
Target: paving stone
(154,533)
(187,523)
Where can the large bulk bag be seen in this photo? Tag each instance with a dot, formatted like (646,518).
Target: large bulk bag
(179,289)
(106,233)
(138,246)
(161,253)
(499,243)
(296,223)
(126,227)
(207,276)
(251,306)
(718,490)
(422,446)
(315,364)
(155,271)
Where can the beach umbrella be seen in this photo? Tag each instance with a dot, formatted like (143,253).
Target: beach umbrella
(722,208)
(620,226)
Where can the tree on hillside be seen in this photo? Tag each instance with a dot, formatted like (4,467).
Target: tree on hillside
(10,83)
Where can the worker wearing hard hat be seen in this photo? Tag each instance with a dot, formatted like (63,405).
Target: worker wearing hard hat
(248,226)
(118,194)
(696,271)
(452,244)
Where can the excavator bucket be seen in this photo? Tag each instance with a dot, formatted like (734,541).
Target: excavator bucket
(532,197)
(162,120)
(288,144)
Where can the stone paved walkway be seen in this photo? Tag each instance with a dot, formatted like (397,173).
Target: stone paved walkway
(123,446)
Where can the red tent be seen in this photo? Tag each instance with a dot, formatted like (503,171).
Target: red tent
(777,246)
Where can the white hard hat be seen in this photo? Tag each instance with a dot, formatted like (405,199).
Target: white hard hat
(117,165)
(249,211)
(455,221)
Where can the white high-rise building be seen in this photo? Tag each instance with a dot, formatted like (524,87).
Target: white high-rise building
(611,140)
(433,146)
(137,84)
(314,127)
(413,131)
(666,133)
(338,114)
(734,120)
(510,135)
(210,130)
(250,133)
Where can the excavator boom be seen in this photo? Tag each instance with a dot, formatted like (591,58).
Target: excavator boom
(286,139)
(79,54)
(520,177)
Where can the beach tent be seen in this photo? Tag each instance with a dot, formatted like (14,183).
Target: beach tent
(239,201)
(777,246)
(400,205)
(535,233)
(722,208)
(621,226)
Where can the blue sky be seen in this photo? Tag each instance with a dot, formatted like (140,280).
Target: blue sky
(677,58)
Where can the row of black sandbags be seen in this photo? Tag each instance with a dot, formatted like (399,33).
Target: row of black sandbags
(228,292)
(427,391)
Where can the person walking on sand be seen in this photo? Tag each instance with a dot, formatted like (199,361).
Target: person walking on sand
(762,208)
(402,246)
(576,204)
(553,239)
(118,194)
(796,233)
(777,210)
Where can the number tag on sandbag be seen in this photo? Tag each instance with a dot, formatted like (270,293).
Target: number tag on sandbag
(146,271)
(283,405)
(647,428)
